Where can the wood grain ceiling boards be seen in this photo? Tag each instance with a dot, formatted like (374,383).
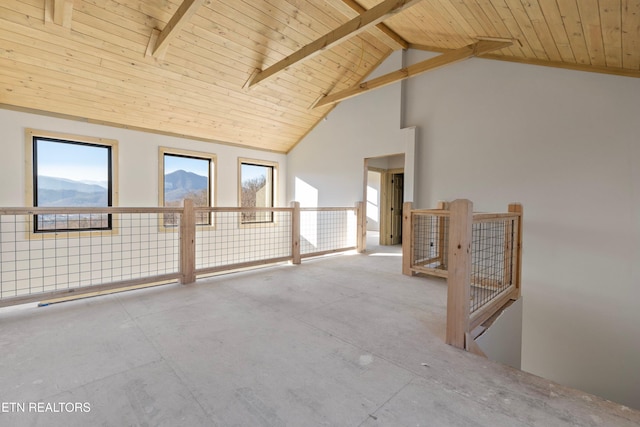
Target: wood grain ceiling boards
(94,64)
(588,35)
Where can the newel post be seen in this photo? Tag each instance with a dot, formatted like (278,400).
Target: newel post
(407,238)
(188,243)
(361,242)
(459,271)
(295,233)
(517,241)
(443,238)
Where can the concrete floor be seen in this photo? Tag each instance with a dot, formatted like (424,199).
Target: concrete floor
(339,341)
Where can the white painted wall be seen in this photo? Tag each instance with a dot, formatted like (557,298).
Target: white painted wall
(331,158)
(566,145)
(387,162)
(138,159)
(502,342)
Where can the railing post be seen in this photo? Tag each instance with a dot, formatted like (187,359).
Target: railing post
(295,233)
(407,238)
(188,243)
(459,271)
(517,241)
(443,238)
(361,242)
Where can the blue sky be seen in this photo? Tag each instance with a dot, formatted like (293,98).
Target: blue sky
(197,166)
(72,161)
(252,171)
(89,163)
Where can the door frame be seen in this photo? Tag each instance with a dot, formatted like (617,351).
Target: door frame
(373,164)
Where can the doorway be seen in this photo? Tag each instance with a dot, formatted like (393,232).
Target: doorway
(384,193)
(391,208)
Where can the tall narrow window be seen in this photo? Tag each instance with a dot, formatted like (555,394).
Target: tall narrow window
(71,174)
(187,175)
(257,183)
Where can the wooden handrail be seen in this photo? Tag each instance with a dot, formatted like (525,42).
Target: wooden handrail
(241,209)
(436,212)
(481,217)
(87,210)
(354,209)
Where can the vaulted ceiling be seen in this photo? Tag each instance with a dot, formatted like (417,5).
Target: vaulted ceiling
(252,72)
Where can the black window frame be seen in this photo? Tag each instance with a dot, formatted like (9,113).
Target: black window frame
(34,147)
(270,215)
(210,188)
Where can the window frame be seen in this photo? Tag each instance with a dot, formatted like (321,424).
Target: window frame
(274,186)
(213,181)
(31,136)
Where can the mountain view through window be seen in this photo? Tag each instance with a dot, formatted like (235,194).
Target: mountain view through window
(71,174)
(186,178)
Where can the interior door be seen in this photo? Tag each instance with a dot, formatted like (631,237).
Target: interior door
(397,197)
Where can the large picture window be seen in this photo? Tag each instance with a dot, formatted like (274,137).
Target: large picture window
(257,184)
(187,175)
(70,173)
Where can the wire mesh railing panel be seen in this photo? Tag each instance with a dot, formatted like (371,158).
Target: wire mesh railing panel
(431,240)
(34,263)
(234,241)
(46,252)
(326,230)
(492,257)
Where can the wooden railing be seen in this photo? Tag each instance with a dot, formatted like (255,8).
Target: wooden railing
(480,255)
(88,250)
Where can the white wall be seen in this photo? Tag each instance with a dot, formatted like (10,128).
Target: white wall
(138,159)
(502,342)
(566,145)
(387,162)
(331,158)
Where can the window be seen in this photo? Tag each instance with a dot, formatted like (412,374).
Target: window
(257,184)
(186,175)
(71,171)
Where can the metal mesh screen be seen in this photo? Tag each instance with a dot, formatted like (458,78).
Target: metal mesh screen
(492,255)
(431,239)
(36,263)
(326,230)
(233,241)
(144,244)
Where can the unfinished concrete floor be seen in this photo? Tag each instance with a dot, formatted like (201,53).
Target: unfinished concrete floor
(339,341)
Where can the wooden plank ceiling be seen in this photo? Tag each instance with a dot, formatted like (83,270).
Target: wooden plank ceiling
(196,68)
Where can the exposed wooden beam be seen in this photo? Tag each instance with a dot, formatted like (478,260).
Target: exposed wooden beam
(568,65)
(533,61)
(153,39)
(186,10)
(428,48)
(355,26)
(449,57)
(386,35)
(62,11)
